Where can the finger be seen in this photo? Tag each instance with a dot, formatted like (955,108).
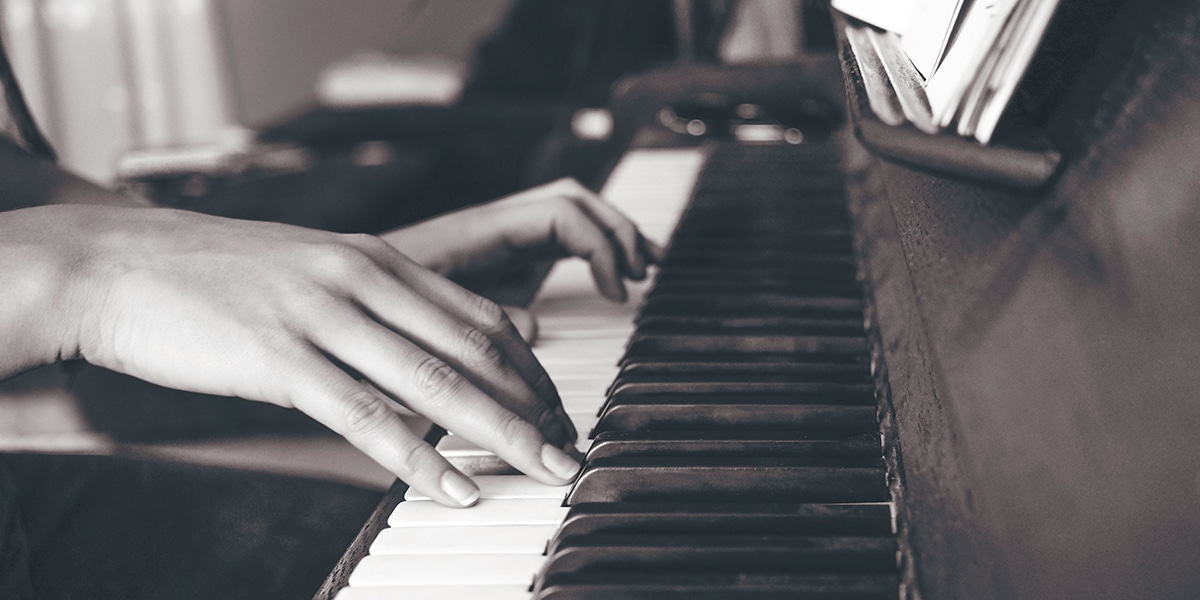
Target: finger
(328,395)
(623,232)
(493,356)
(488,317)
(618,227)
(580,234)
(375,351)
(431,387)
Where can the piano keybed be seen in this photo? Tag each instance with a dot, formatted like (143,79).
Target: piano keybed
(736,451)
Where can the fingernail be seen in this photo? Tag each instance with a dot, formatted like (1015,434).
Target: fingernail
(559,462)
(460,488)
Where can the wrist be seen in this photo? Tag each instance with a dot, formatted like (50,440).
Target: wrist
(38,308)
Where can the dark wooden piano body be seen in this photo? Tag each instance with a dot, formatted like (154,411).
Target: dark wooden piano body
(1041,345)
(1038,344)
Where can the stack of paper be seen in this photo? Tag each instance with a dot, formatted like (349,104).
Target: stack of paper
(971,54)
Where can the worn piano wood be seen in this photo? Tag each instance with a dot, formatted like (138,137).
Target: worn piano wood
(1041,345)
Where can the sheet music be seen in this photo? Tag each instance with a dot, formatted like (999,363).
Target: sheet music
(927,33)
(981,27)
(1030,28)
(889,15)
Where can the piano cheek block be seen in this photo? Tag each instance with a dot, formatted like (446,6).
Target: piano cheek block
(713,480)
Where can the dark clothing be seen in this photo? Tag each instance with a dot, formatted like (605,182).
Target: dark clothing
(95,527)
(570,51)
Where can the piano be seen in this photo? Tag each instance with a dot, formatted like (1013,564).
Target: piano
(864,371)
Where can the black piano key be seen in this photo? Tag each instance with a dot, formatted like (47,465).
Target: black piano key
(732,445)
(765,359)
(676,414)
(778,260)
(773,281)
(772,303)
(812,287)
(747,518)
(698,371)
(777,324)
(702,370)
(720,586)
(833,392)
(736,553)
(761,251)
(699,343)
(483,464)
(713,398)
(730,480)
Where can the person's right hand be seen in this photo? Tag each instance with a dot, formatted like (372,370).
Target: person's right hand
(296,317)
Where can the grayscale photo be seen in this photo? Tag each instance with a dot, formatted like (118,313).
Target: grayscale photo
(599,299)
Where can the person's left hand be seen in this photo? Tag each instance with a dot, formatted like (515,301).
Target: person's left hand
(481,246)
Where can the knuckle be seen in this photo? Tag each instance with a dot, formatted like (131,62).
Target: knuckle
(512,427)
(544,386)
(365,241)
(340,261)
(488,315)
(479,351)
(410,455)
(364,413)
(542,416)
(572,185)
(435,379)
(566,206)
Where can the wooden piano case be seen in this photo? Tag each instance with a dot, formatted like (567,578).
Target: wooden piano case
(1041,337)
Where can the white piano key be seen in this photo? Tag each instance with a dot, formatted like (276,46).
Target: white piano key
(576,368)
(580,369)
(432,569)
(583,418)
(537,511)
(588,331)
(582,385)
(436,592)
(465,449)
(598,350)
(495,539)
(504,487)
(457,443)
(582,404)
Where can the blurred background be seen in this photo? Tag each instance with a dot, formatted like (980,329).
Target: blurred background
(108,76)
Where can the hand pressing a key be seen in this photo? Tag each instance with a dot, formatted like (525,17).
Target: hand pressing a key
(479,246)
(300,318)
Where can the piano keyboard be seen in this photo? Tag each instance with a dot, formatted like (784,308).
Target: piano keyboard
(493,549)
(736,452)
